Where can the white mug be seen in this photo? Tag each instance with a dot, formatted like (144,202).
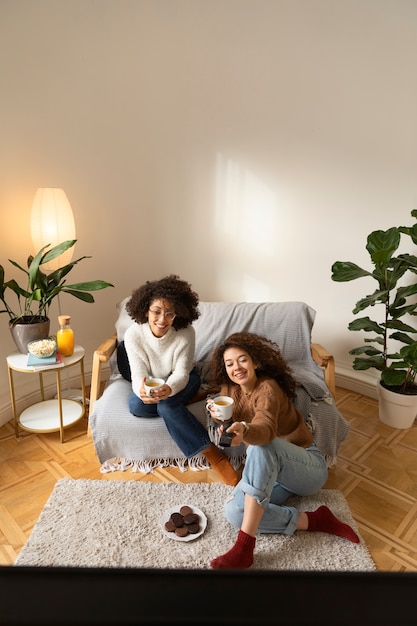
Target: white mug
(152,384)
(224,406)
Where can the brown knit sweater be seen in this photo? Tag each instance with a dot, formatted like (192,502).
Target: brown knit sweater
(269,413)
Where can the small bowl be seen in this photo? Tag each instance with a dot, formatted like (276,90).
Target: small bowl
(42,348)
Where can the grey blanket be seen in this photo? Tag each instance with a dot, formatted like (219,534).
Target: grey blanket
(319,411)
(122,440)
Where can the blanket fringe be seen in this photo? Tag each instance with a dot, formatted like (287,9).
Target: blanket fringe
(330,460)
(148,466)
(213,432)
(237,461)
(195,463)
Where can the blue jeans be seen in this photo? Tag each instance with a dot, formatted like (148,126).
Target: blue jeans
(190,436)
(272,474)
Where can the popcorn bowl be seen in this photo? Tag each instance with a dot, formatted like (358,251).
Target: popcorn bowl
(42,348)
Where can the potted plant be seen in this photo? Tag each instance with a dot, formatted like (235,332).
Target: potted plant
(29,308)
(395,292)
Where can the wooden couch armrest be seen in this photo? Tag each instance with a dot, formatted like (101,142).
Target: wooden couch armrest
(100,356)
(326,360)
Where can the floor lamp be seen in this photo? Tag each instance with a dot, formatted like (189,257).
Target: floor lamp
(51,223)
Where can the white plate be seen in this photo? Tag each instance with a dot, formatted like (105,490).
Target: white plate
(176,509)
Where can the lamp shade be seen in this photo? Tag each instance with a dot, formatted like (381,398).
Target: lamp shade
(52,222)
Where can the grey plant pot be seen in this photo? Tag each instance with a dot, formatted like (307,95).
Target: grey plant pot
(23,333)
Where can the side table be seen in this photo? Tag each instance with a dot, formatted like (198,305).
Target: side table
(47,416)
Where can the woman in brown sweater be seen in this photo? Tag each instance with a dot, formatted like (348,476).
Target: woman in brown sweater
(281,458)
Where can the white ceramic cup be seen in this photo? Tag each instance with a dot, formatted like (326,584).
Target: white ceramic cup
(152,384)
(224,405)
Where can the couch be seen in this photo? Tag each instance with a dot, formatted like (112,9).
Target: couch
(124,441)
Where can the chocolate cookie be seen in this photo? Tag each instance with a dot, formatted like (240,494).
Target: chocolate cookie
(177,519)
(191,518)
(182,531)
(193,528)
(170,526)
(185,510)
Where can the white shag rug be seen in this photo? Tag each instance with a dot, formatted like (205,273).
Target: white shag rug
(101,523)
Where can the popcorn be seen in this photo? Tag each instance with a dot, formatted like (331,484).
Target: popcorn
(42,348)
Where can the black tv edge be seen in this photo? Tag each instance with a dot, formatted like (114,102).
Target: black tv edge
(83,596)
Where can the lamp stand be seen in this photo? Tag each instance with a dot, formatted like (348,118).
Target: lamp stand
(68,393)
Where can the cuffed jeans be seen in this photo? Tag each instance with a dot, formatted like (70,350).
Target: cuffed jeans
(190,436)
(272,474)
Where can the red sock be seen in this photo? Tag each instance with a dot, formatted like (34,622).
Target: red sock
(238,557)
(324,521)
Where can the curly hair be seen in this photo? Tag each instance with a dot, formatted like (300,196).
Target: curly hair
(178,292)
(264,352)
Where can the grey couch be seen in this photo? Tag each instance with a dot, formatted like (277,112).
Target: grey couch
(123,441)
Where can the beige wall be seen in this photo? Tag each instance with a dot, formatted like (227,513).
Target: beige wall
(243,144)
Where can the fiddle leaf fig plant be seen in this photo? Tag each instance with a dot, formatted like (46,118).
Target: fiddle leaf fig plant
(395,294)
(30,302)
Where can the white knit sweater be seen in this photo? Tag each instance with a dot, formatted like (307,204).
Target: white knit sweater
(170,357)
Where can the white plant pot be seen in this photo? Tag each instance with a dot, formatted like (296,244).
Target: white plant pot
(395,409)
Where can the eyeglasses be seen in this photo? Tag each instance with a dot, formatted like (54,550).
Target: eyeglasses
(169,315)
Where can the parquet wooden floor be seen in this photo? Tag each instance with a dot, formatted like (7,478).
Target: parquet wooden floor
(376,471)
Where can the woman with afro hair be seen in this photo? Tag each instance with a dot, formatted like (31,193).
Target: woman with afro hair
(281,457)
(161,344)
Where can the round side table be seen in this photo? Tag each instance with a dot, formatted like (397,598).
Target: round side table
(47,416)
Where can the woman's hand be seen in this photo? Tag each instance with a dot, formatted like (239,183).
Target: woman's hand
(214,411)
(238,429)
(162,393)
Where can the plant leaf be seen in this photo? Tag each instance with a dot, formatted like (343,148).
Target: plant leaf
(370,351)
(56,251)
(381,245)
(393,378)
(399,325)
(343,271)
(365,364)
(92,285)
(377,296)
(402,337)
(81,295)
(366,324)
(409,354)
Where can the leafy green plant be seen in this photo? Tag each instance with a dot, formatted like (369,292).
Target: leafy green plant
(398,300)
(31,302)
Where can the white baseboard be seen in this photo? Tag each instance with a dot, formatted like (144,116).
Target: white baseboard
(359,382)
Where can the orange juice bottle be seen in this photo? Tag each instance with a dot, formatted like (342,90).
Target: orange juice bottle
(65,336)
